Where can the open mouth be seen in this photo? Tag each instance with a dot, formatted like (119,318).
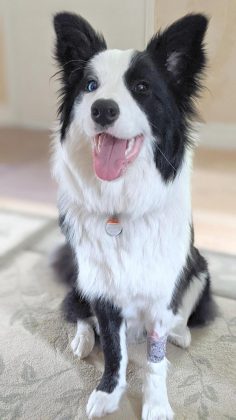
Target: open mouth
(112,155)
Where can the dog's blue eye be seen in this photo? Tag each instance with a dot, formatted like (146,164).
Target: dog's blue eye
(91,85)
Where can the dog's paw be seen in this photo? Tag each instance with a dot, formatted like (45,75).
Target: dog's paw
(101,403)
(157,412)
(182,339)
(84,341)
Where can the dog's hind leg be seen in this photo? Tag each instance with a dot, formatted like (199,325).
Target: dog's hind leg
(84,339)
(181,335)
(77,310)
(197,306)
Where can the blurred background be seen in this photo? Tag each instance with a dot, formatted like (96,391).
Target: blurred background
(28,102)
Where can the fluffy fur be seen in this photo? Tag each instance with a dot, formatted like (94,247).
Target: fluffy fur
(150,276)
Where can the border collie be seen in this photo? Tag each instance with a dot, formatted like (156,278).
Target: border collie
(122,159)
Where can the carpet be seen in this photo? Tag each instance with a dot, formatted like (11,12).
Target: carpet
(40,379)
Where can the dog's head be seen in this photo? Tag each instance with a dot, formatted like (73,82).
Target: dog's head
(127,101)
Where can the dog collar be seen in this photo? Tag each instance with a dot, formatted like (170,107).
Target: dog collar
(113,226)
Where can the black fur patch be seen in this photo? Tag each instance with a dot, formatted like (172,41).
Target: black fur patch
(168,126)
(195,265)
(171,68)
(75,307)
(179,54)
(76,44)
(110,320)
(205,309)
(64,263)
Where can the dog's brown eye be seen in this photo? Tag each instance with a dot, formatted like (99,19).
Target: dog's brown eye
(141,87)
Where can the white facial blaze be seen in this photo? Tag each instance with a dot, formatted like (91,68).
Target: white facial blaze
(109,68)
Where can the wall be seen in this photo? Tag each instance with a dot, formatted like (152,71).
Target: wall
(29,44)
(6,87)
(218,103)
(3,93)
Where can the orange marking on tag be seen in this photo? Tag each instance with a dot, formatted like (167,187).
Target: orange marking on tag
(113,221)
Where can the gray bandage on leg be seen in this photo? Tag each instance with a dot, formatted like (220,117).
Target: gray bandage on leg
(156,347)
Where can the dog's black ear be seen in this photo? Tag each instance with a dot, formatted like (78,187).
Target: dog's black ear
(76,42)
(179,53)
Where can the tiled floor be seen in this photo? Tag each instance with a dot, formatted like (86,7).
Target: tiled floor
(26,183)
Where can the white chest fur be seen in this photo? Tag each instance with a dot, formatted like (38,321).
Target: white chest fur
(143,262)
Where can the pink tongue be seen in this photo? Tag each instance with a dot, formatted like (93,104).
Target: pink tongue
(109,162)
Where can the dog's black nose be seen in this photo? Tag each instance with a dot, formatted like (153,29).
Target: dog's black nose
(105,112)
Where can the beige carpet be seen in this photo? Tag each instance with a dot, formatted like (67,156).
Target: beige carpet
(40,379)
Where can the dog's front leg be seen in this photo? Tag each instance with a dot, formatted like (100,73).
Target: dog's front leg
(105,398)
(156,404)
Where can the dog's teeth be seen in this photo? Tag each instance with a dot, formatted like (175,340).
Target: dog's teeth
(130,146)
(99,144)
(95,143)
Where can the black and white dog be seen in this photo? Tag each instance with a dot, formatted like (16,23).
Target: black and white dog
(122,159)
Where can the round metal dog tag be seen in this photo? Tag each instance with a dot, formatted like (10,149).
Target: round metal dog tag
(113,226)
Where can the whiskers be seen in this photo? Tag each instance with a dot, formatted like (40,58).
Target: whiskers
(162,153)
(76,69)
(59,73)
(156,145)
